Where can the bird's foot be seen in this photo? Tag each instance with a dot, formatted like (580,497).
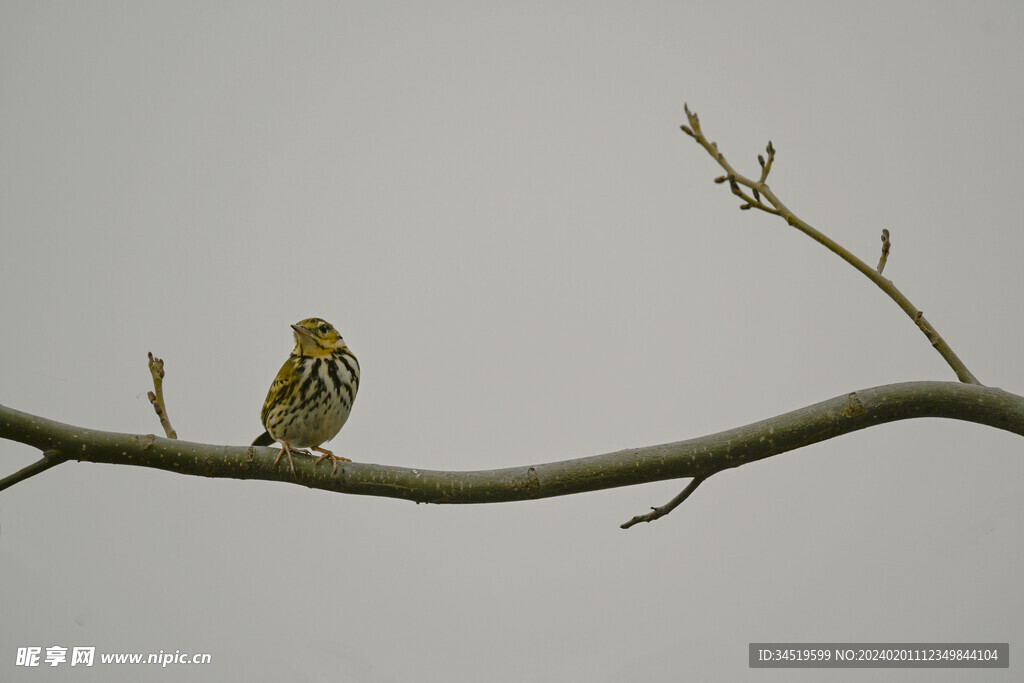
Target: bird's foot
(331,456)
(288,450)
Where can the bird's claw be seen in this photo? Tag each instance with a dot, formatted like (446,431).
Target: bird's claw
(328,455)
(287,450)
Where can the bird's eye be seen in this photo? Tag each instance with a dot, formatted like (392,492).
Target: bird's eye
(323,329)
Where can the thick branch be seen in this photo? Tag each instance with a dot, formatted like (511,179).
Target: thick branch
(698,457)
(775,206)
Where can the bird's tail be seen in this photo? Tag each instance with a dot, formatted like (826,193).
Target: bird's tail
(264,439)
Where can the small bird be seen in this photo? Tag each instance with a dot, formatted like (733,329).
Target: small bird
(312,395)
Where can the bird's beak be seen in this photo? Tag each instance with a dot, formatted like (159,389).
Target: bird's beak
(301,330)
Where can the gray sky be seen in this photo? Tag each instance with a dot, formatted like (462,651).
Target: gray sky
(496,208)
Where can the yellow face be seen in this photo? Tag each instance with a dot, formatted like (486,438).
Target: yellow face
(317,338)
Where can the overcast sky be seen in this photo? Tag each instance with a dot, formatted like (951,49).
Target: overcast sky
(495,206)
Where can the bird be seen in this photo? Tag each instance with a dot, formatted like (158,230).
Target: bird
(310,399)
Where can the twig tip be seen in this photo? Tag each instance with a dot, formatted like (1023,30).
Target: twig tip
(886,244)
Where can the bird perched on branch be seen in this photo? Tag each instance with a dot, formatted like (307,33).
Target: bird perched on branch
(312,395)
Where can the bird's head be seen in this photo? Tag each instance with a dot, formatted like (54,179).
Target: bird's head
(317,338)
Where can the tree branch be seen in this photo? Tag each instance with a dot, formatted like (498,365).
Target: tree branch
(886,244)
(156,369)
(49,459)
(659,512)
(775,206)
(698,457)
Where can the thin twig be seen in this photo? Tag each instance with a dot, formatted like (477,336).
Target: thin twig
(49,459)
(885,250)
(156,368)
(668,507)
(775,206)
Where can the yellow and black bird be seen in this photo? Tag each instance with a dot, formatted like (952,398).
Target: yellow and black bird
(312,395)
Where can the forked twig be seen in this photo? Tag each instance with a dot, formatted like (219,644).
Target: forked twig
(770,203)
(753,200)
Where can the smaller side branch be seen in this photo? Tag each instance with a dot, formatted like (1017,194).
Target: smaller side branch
(659,512)
(766,167)
(885,250)
(49,459)
(156,368)
(761,197)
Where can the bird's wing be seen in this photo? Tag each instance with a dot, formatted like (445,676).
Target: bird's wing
(282,385)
